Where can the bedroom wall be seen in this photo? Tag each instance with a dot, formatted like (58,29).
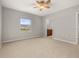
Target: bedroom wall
(0,24)
(64,24)
(11,25)
(78,27)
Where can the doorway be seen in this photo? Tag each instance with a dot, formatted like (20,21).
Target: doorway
(49,29)
(49,32)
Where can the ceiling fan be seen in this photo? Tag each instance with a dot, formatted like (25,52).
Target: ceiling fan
(42,4)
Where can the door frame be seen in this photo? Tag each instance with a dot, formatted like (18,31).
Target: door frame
(0,25)
(77,37)
(46,28)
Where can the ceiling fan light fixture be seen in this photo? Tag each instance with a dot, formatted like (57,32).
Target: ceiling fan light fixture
(42,4)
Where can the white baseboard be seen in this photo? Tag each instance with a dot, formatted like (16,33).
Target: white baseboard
(75,43)
(38,37)
(17,39)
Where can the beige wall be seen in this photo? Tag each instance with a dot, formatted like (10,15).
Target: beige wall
(64,24)
(78,27)
(0,25)
(11,25)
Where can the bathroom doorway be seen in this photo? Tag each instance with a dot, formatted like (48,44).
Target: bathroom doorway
(49,29)
(49,32)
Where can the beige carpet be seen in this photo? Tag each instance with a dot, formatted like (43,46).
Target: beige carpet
(40,48)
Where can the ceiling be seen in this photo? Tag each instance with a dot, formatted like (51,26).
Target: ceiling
(27,6)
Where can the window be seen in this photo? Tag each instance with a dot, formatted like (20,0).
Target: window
(25,24)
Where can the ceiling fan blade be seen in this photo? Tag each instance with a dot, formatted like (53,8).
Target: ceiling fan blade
(48,1)
(40,9)
(37,1)
(34,7)
(47,7)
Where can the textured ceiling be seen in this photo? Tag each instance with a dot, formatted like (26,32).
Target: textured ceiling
(27,6)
